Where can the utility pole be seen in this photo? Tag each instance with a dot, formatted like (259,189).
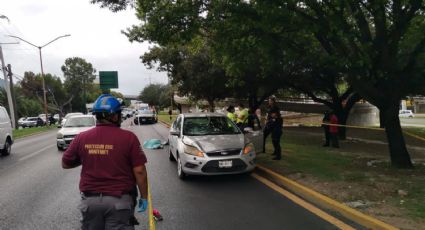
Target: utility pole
(6,86)
(12,94)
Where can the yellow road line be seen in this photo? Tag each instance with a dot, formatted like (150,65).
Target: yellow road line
(304,204)
(413,135)
(150,211)
(326,202)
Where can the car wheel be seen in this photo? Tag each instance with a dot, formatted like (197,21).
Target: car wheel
(171,157)
(180,172)
(60,148)
(7,148)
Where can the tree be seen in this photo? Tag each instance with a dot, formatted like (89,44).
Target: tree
(79,76)
(191,71)
(382,44)
(157,95)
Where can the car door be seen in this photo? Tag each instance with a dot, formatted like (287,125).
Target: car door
(3,126)
(256,136)
(173,138)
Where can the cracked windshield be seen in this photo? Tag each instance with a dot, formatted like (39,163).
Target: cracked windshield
(205,115)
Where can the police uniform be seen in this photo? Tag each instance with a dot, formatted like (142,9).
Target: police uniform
(108,155)
(274,127)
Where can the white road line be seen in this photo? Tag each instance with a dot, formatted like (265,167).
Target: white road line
(35,153)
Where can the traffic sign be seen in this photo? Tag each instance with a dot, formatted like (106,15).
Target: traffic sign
(108,79)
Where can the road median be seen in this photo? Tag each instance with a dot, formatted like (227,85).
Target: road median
(322,201)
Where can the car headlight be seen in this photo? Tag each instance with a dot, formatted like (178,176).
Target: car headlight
(59,136)
(191,150)
(249,148)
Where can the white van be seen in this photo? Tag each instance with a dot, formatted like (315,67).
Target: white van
(6,138)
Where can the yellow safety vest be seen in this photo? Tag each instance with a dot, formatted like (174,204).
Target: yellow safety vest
(242,116)
(231,116)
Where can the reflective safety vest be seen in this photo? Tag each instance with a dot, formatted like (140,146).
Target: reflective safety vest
(231,116)
(242,116)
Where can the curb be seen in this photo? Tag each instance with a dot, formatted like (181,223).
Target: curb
(323,201)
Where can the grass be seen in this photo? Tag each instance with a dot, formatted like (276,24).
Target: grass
(331,171)
(416,131)
(19,133)
(166,118)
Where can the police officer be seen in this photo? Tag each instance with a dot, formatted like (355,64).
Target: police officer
(273,126)
(231,113)
(242,117)
(112,164)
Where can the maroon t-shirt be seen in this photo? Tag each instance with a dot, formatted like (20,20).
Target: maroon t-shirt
(108,155)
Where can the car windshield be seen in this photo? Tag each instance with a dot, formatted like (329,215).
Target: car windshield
(198,126)
(146,112)
(72,114)
(80,122)
(31,119)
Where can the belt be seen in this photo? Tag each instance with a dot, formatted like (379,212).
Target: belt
(91,194)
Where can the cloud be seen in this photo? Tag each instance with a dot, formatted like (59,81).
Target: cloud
(95,36)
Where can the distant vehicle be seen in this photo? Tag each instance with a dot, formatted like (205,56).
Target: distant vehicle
(32,122)
(405,113)
(68,116)
(6,138)
(73,126)
(56,117)
(21,120)
(211,144)
(146,116)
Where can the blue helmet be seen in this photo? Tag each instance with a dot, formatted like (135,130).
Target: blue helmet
(106,103)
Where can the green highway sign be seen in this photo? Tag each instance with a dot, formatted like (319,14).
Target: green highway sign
(108,79)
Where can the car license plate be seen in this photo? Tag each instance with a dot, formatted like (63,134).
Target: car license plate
(225,164)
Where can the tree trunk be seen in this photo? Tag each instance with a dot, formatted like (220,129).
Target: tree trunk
(399,155)
(211,105)
(381,119)
(342,120)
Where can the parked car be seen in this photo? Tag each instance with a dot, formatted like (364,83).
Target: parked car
(32,122)
(6,137)
(405,113)
(145,116)
(21,120)
(210,144)
(68,115)
(72,127)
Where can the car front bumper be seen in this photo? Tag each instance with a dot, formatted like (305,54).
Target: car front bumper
(214,165)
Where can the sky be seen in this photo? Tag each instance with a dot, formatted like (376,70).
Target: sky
(95,36)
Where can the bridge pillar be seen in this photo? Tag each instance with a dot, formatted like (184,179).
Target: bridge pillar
(363,114)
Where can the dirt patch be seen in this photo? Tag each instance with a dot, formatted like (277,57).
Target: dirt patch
(358,174)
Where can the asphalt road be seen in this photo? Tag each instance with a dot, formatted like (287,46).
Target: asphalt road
(36,193)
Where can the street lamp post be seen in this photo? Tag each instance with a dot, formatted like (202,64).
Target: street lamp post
(41,64)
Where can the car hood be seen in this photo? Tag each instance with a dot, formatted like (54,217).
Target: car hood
(73,130)
(145,115)
(211,143)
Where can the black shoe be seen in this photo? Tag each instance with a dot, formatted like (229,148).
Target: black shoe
(276,158)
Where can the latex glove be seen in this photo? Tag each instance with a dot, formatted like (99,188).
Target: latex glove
(142,205)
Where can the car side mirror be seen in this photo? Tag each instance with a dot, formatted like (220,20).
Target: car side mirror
(175,133)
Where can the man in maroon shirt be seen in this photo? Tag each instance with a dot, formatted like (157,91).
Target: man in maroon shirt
(112,164)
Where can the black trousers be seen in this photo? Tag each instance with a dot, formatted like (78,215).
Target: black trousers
(334,140)
(276,135)
(327,135)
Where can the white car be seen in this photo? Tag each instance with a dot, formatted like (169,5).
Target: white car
(6,138)
(72,127)
(68,116)
(211,144)
(405,113)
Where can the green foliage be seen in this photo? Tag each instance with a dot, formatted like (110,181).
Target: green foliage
(156,95)
(79,76)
